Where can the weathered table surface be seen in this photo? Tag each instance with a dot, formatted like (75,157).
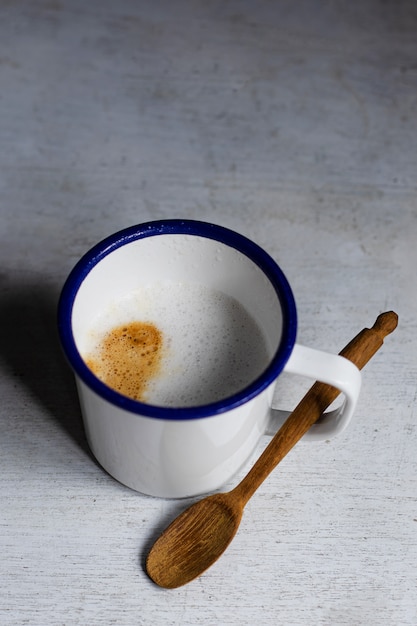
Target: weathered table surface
(294,123)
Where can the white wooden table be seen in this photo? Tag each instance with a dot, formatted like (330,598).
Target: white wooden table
(294,123)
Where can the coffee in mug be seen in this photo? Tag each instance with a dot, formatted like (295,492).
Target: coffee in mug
(176,345)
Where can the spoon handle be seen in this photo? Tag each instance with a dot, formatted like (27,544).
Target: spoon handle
(360,350)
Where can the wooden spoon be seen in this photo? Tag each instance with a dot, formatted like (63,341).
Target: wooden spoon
(197,537)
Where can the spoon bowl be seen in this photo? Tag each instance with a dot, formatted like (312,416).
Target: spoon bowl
(194,540)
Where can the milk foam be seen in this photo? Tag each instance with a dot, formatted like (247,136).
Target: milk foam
(212,347)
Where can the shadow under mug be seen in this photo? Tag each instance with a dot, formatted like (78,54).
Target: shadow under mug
(177,452)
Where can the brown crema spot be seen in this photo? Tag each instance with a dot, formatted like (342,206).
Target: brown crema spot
(128,357)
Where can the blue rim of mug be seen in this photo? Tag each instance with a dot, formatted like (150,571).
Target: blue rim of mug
(172,227)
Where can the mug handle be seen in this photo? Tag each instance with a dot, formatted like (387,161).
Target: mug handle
(328,368)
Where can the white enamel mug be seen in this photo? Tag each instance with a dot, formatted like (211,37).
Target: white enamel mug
(176,452)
